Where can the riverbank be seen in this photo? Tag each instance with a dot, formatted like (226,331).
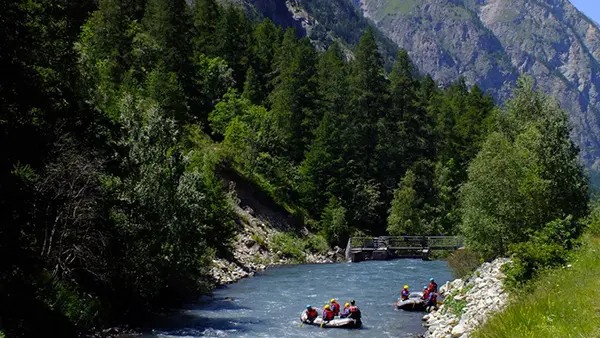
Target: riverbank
(563,302)
(468,303)
(255,249)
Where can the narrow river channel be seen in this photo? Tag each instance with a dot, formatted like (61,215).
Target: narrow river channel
(269,304)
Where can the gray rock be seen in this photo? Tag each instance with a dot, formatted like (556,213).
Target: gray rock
(458,330)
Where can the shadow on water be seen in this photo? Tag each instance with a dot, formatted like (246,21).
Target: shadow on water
(191,323)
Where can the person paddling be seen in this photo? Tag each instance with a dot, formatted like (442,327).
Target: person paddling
(433,287)
(335,307)
(354,311)
(425,295)
(327,313)
(404,293)
(346,311)
(431,301)
(311,313)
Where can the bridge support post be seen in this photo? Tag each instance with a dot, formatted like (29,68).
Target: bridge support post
(349,250)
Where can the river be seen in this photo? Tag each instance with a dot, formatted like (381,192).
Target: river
(269,304)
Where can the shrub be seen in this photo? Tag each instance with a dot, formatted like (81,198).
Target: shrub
(334,225)
(593,220)
(463,262)
(546,248)
(290,246)
(316,244)
(260,240)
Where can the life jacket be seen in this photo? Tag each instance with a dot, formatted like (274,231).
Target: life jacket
(328,315)
(354,312)
(425,294)
(312,314)
(404,294)
(432,287)
(335,307)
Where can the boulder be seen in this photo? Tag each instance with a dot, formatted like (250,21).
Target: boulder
(458,330)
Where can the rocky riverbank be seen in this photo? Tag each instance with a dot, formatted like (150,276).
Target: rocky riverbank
(468,303)
(253,251)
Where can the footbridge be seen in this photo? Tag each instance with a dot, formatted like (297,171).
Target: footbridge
(387,247)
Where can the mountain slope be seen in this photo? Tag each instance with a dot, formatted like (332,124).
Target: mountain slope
(488,42)
(491,42)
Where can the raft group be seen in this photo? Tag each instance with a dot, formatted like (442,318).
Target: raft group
(426,300)
(349,316)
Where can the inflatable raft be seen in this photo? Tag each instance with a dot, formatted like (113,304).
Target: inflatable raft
(347,323)
(413,303)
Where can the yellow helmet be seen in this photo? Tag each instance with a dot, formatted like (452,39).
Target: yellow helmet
(327,306)
(347,305)
(332,300)
(406,286)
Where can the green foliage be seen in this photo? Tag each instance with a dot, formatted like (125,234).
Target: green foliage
(334,225)
(211,79)
(455,306)
(171,229)
(405,215)
(260,240)
(593,219)
(80,308)
(290,246)
(114,152)
(512,188)
(560,302)
(232,39)
(316,244)
(546,248)
(294,92)
(463,262)
(206,14)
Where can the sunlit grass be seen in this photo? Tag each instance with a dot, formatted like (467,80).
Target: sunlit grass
(565,302)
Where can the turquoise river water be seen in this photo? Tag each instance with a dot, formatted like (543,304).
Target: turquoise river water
(269,304)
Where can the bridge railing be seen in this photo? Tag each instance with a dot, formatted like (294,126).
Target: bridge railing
(445,242)
(407,242)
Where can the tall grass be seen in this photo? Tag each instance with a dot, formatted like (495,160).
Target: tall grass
(563,302)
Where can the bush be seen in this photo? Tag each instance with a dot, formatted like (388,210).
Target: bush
(463,262)
(316,244)
(546,248)
(260,240)
(290,246)
(593,220)
(334,226)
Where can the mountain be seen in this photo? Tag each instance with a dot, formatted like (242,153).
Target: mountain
(488,42)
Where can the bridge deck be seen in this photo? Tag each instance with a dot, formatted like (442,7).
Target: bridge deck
(395,245)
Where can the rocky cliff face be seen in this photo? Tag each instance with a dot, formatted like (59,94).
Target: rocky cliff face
(492,42)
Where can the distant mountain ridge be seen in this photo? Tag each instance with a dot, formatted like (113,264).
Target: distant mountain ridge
(491,42)
(488,42)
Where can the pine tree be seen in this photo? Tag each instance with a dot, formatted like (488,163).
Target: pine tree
(322,167)
(405,213)
(266,40)
(252,88)
(167,23)
(232,39)
(294,92)
(368,103)
(206,16)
